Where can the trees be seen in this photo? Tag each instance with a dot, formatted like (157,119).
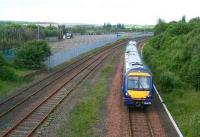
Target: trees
(12,35)
(51,31)
(160,27)
(32,54)
(175,49)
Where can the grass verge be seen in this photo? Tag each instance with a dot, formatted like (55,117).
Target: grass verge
(8,86)
(184,106)
(86,114)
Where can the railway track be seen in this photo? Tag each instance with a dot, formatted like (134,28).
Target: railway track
(50,78)
(58,87)
(140,124)
(12,102)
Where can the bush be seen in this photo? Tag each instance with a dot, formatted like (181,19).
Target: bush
(2,61)
(32,54)
(8,73)
(51,31)
(175,48)
(179,28)
(168,81)
(160,27)
(194,71)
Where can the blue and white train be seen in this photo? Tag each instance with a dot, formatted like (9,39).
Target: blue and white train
(137,81)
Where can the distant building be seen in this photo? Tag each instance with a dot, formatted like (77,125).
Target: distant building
(43,24)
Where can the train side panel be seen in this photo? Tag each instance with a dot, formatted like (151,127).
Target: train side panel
(137,80)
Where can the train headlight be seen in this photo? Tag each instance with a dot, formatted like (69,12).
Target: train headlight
(149,96)
(126,94)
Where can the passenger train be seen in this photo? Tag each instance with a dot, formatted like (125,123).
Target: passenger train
(138,88)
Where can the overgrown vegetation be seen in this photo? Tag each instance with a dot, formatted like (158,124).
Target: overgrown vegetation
(32,54)
(173,55)
(12,34)
(51,31)
(29,56)
(6,71)
(8,76)
(86,115)
(175,48)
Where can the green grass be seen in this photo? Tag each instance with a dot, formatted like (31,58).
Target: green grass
(85,115)
(23,72)
(185,108)
(8,86)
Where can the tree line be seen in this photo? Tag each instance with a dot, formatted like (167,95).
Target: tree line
(13,34)
(174,53)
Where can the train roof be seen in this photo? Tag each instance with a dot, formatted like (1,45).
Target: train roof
(132,42)
(132,57)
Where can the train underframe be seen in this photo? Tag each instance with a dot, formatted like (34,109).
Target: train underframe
(137,102)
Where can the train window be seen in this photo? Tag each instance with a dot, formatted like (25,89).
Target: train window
(138,83)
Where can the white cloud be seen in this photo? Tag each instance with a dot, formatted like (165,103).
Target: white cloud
(98,11)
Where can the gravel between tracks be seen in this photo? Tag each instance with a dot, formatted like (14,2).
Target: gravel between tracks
(62,115)
(117,121)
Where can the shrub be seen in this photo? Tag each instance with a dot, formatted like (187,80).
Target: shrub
(194,71)
(51,31)
(160,27)
(176,49)
(8,73)
(179,28)
(168,81)
(2,60)
(32,54)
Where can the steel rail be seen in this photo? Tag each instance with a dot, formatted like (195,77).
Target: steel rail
(62,74)
(16,125)
(78,59)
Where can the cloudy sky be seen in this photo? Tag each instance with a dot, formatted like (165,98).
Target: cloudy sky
(98,11)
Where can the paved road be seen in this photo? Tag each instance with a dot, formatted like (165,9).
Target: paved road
(78,41)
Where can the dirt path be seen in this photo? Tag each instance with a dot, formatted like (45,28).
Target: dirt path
(117,121)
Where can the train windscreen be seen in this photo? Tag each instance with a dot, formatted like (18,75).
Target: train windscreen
(138,83)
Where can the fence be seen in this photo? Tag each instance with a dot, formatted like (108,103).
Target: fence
(66,55)
(9,53)
(63,56)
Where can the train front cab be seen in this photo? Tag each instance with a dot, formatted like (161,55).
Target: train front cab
(138,89)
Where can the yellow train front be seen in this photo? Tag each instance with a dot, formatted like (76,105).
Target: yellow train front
(137,81)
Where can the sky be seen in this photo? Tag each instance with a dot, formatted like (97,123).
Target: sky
(141,12)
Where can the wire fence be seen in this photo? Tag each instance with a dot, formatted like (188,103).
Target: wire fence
(9,54)
(66,55)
